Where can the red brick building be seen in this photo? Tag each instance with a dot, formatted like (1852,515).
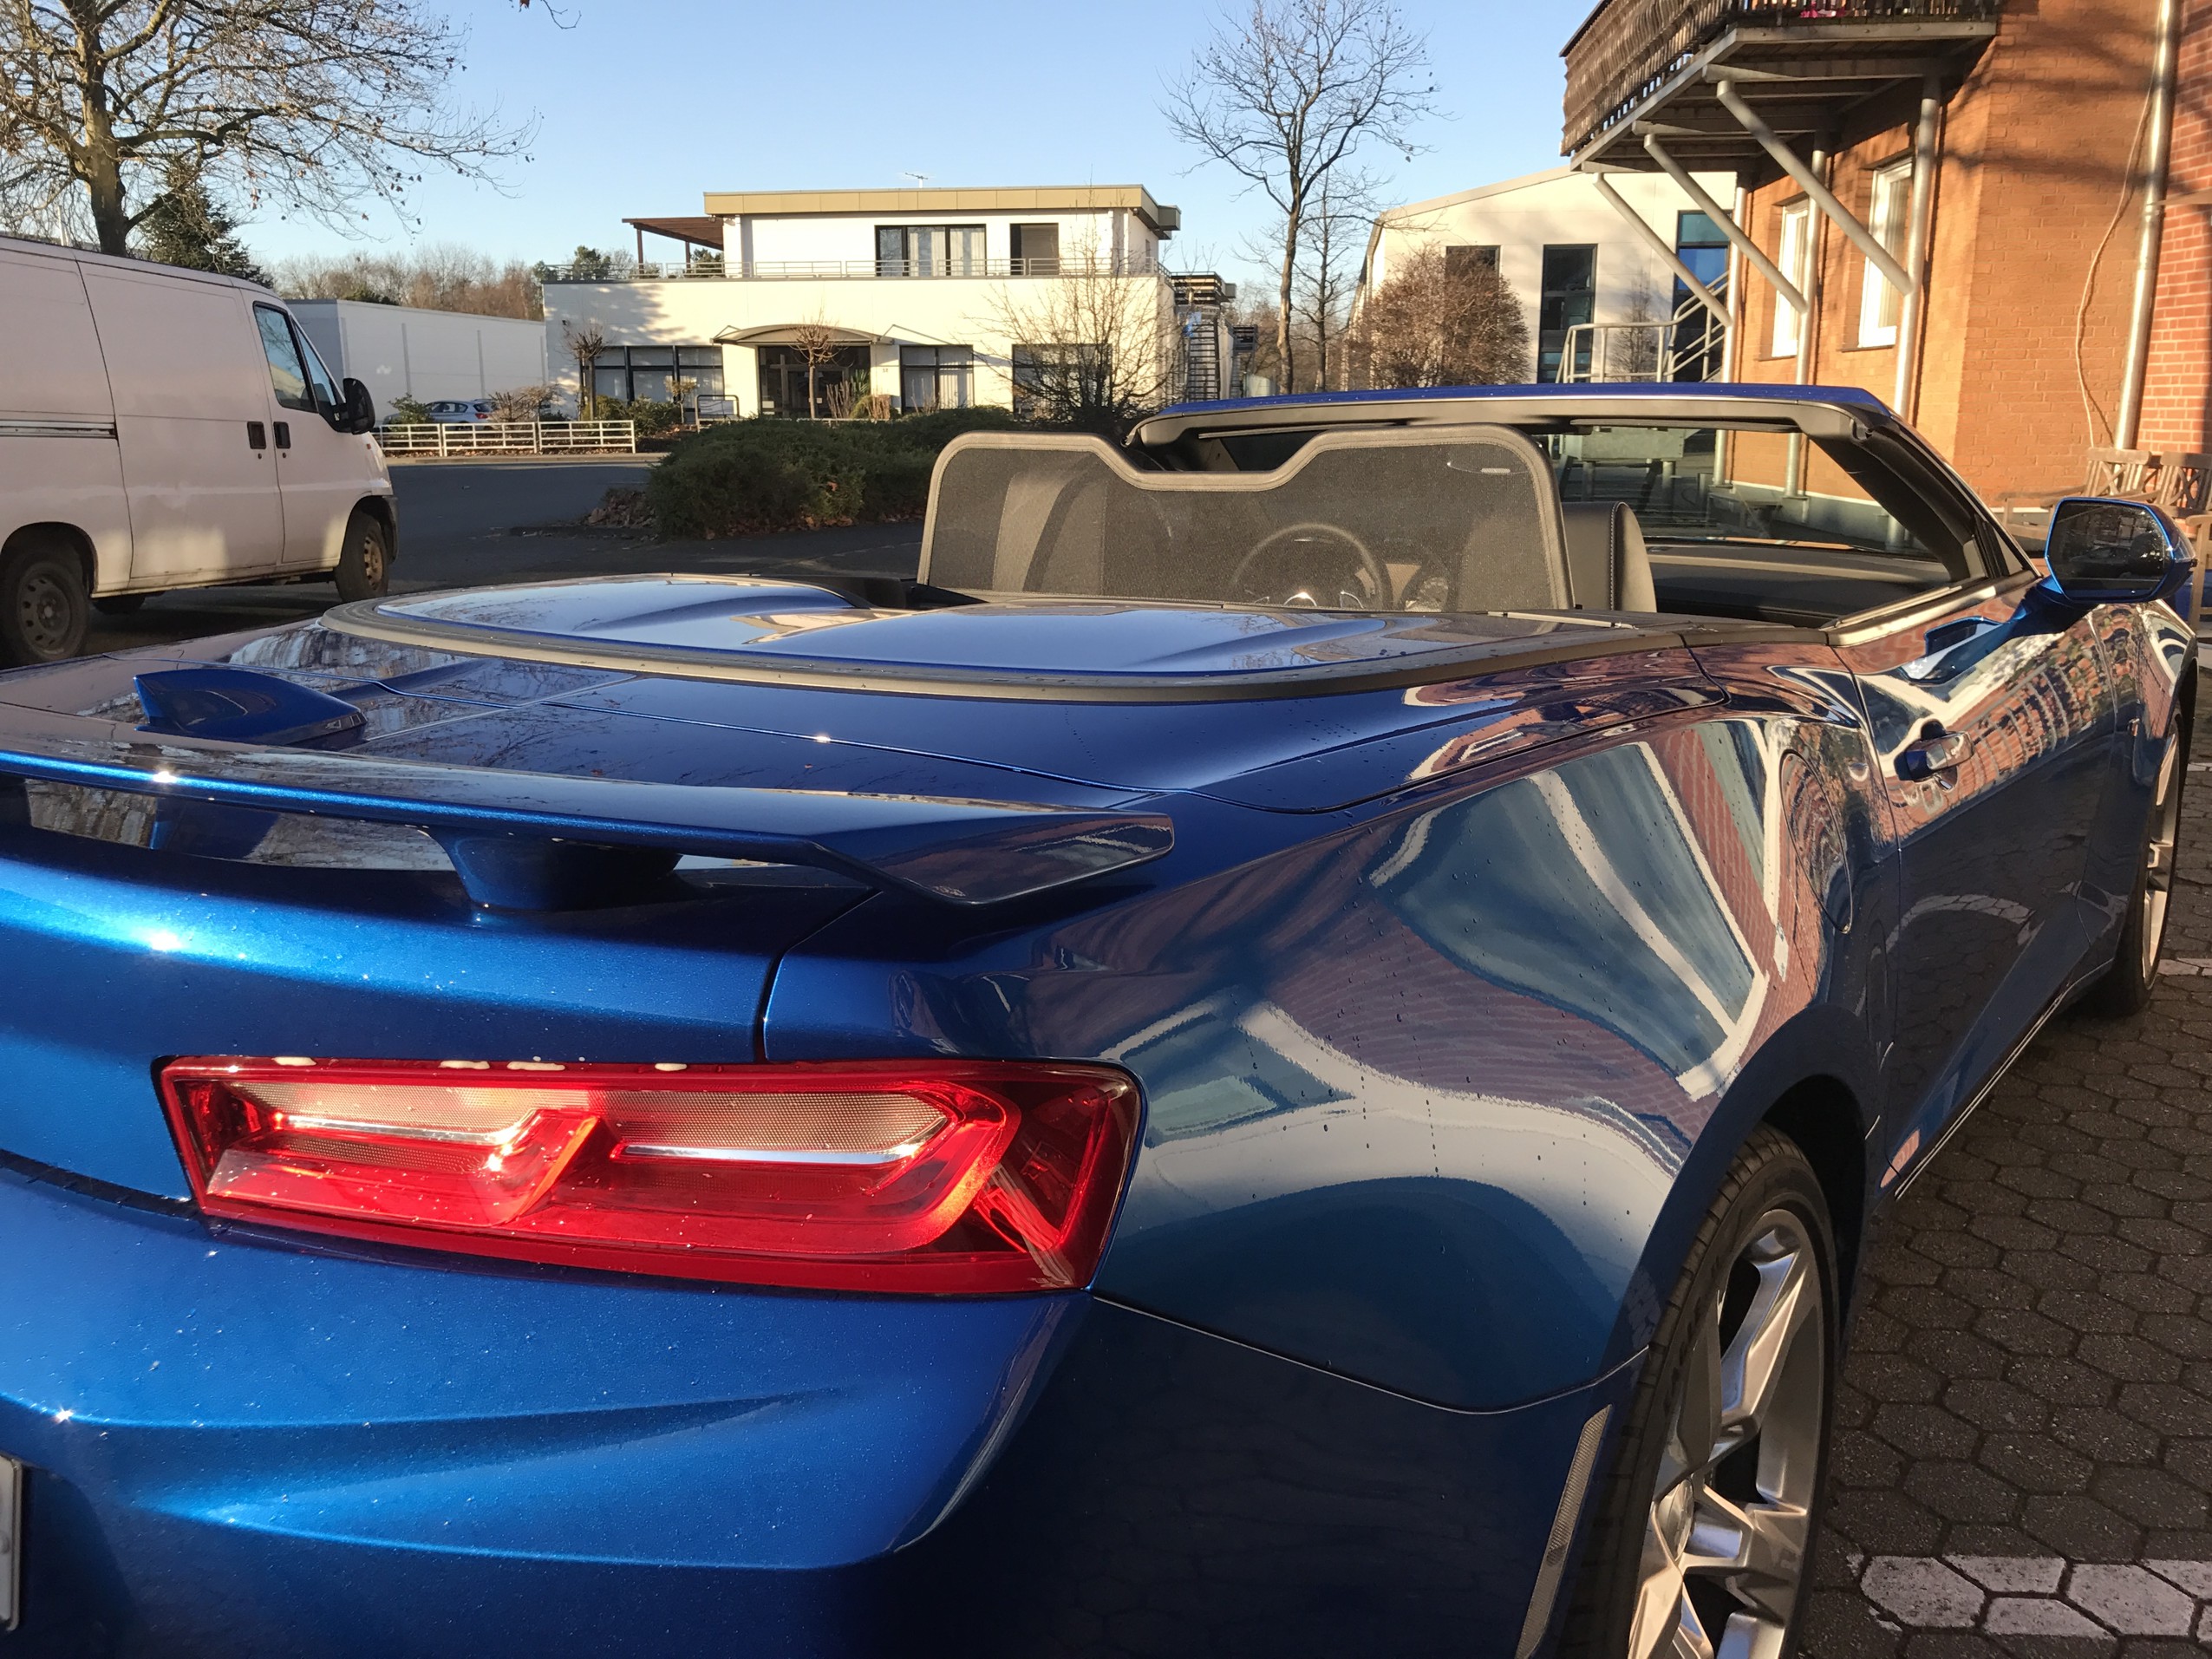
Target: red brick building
(1962,198)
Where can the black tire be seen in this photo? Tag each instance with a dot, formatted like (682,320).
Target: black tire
(1767,1242)
(120,605)
(365,567)
(2127,985)
(44,607)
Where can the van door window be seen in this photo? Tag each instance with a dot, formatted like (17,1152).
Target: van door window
(287,374)
(319,377)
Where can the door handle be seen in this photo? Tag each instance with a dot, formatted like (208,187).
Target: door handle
(256,435)
(284,434)
(1934,752)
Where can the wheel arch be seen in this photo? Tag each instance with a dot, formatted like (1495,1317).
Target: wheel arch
(379,508)
(55,532)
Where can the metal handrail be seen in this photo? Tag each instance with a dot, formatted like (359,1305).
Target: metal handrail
(1670,352)
(509,438)
(846,270)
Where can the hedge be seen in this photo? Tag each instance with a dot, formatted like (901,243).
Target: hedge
(752,476)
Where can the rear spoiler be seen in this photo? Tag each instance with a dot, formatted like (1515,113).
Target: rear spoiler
(534,840)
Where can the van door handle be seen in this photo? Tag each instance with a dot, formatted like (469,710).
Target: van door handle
(1934,751)
(284,434)
(256,435)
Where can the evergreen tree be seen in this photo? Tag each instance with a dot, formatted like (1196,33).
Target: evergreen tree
(187,227)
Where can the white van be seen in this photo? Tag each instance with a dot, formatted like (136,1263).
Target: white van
(163,428)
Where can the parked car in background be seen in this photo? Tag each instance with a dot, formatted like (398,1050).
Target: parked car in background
(163,428)
(452,411)
(1294,1052)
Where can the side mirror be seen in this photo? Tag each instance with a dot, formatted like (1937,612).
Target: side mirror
(359,414)
(2103,550)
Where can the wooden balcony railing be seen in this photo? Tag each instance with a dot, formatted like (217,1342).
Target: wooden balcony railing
(1627,47)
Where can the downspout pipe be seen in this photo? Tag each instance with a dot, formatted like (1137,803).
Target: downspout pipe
(2127,423)
(1917,247)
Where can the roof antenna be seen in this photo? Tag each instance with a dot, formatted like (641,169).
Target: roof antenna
(918,177)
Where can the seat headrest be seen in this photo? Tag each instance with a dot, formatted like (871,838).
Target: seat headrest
(1607,566)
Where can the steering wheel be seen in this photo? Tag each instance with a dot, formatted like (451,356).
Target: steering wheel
(1302,586)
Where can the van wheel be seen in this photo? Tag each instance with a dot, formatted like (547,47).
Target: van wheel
(43,606)
(120,605)
(365,568)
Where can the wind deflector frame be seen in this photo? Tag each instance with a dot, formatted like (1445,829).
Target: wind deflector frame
(1069,515)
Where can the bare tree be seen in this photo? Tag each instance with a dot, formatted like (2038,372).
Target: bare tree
(317,104)
(1328,272)
(1635,353)
(1292,92)
(438,277)
(1434,325)
(585,344)
(816,343)
(1093,348)
(520,404)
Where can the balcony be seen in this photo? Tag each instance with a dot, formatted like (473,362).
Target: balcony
(1639,67)
(845,269)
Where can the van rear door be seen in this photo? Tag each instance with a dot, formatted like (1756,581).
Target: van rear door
(58,460)
(192,403)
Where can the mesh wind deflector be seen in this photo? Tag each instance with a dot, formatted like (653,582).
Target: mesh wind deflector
(1467,520)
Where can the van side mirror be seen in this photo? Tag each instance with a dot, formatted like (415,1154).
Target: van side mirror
(2103,551)
(359,414)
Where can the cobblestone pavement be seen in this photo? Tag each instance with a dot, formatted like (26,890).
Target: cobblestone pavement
(2023,1462)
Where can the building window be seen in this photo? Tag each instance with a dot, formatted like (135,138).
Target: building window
(1055,380)
(1464,259)
(1569,298)
(838,381)
(1036,249)
(1793,250)
(1889,211)
(929,250)
(936,378)
(645,373)
(1699,339)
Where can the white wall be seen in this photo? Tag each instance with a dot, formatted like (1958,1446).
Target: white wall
(400,352)
(1521,216)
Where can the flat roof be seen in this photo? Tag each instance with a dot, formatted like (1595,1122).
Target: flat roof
(1024,199)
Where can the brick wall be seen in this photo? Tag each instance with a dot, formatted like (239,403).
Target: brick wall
(2034,154)
(2177,387)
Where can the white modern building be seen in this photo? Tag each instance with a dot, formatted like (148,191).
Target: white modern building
(932,299)
(1605,299)
(402,351)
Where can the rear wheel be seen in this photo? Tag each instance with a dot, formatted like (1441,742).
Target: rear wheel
(365,567)
(2134,974)
(43,606)
(1702,1539)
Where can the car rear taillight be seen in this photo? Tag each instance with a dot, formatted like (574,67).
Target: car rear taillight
(937,1175)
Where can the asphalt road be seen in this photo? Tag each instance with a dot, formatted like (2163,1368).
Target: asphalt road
(472,524)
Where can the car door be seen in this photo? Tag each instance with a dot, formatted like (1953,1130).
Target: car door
(192,422)
(1992,719)
(318,467)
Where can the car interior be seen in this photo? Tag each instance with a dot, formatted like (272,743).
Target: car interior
(1755,522)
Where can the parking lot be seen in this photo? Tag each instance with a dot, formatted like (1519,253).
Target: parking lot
(2025,1442)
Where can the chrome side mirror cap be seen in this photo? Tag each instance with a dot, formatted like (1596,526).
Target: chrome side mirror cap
(2105,550)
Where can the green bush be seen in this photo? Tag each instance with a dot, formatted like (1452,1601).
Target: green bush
(747,477)
(408,412)
(652,418)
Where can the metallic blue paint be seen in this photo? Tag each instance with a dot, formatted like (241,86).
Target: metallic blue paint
(1450,999)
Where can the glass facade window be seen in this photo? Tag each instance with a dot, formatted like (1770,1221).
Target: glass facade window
(929,250)
(1568,296)
(936,378)
(1036,249)
(1793,253)
(1697,342)
(644,374)
(1888,213)
(838,381)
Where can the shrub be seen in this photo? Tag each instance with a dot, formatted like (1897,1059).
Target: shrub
(748,477)
(652,418)
(408,412)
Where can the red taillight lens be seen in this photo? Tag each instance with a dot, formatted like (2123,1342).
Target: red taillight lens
(945,1176)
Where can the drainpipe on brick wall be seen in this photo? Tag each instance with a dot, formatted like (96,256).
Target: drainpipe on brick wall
(1923,212)
(1818,170)
(2130,417)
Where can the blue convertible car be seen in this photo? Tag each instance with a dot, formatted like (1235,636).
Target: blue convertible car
(1293,1052)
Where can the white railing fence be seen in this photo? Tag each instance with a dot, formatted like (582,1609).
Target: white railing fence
(510,438)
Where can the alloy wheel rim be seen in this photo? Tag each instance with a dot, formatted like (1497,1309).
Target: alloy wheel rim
(43,609)
(2159,858)
(1724,1549)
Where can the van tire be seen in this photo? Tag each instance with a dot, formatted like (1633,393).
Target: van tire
(365,567)
(120,605)
(44,607)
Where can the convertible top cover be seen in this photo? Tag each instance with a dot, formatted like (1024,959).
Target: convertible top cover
(1467,518)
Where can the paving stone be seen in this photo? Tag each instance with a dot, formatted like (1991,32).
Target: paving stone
(1923,1593)
(2041,1574)
(2037,1616)
(2132,1600)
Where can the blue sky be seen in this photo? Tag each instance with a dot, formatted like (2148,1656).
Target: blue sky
(646,104)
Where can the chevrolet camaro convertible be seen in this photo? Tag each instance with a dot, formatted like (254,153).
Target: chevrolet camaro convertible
(1293,1052)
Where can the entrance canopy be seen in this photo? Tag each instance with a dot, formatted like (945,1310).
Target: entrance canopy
(788,334)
